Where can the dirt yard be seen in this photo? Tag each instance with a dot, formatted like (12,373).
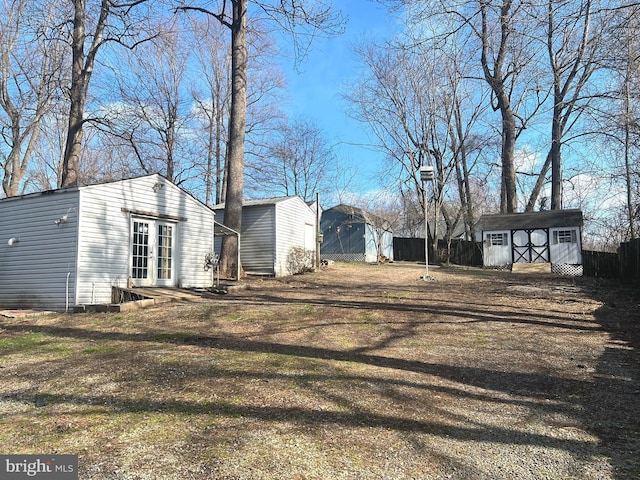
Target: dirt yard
(355,372)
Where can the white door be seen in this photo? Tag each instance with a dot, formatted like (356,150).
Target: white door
(565,246)
(152,253)
(496,249)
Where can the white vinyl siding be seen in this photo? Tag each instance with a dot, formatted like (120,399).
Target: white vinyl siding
(292,217)
(78,260)
(370,244)
(105,255)
(270,228)
(258,239)
(36,270)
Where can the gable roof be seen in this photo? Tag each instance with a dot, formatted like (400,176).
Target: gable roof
(519,221)
(260,201)
(159,177)
(360,214)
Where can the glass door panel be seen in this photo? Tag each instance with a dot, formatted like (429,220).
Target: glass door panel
(140,253)
(165,253)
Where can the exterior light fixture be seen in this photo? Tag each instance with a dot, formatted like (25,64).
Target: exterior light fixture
(61,220)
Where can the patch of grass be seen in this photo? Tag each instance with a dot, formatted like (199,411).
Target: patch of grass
(33,342)
(23,343)
(307,309)
(398,295)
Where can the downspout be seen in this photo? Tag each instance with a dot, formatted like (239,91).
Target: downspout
(238,259)
(66,307)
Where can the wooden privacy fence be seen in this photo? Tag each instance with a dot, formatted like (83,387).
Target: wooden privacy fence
(409,249)
(600,264)
(624,264)
(629,253)
(460,252)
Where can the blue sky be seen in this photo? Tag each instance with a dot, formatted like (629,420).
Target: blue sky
(314,89)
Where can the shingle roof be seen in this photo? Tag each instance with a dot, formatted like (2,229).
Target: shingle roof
(360,214)
(518,221)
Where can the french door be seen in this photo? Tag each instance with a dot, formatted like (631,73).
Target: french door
(152,252)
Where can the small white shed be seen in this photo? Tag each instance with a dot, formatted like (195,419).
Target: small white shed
(69,247)
(272,230)
(552,236)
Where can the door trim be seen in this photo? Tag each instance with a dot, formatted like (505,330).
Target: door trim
(152,252)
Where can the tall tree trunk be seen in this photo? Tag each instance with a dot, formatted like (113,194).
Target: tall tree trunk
(556,157)
(510,199)
(237,125)
(540,181)
(81,71)
(79,81)
(494,73)
(627,160)
(208,174)
(218,153)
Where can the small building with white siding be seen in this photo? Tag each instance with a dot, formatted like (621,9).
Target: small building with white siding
(274,231)
(69,247)
(552,236)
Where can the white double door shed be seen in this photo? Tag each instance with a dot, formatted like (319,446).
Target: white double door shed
(552,236)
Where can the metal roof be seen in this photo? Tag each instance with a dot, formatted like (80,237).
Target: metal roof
(257,201)
(520,221)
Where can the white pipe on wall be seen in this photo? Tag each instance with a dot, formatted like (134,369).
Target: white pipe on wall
(66,308)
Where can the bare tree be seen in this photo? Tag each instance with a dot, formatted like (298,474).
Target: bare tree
(622,121)
(573,40)
(31,59)
(154,111)
(299,161)
(421,114)
(233,14)
(93,26)
(212,98)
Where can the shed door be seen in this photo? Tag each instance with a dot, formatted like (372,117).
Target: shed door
(565,246)
(530,246)
(152,253)
(496,249)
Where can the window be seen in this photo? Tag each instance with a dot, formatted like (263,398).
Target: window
(497,239)
(565,236)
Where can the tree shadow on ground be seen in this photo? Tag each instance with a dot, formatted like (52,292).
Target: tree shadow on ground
(612,409)
(607,406)
(543,393)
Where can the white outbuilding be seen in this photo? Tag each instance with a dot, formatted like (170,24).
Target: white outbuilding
(278,235)
(549,237)
(70,247)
